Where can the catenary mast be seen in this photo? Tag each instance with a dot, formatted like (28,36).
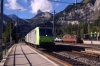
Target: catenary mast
(1,20)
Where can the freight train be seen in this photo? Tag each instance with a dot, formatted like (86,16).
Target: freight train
(71,39)
(41,37)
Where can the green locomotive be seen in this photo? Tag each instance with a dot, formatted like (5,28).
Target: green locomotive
(41,37)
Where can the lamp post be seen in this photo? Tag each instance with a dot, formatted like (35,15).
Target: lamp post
(17,15)
(17,25)
(96,33)
(88,25)
(91,37)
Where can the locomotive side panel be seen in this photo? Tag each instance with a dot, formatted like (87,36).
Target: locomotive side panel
(40,38)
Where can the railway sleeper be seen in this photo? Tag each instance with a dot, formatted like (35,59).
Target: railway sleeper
(88,54)
(67,59)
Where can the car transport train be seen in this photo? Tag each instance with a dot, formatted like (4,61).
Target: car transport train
(41,37)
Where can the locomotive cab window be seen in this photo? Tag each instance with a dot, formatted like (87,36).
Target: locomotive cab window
(49,32)
(44,31)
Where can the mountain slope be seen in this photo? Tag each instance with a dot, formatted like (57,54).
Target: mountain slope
(86,10)
(40,19)
(13,16)
(22,25)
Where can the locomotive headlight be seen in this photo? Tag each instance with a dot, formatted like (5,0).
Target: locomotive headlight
(41,40)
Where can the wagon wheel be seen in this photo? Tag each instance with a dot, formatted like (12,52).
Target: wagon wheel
(36,46)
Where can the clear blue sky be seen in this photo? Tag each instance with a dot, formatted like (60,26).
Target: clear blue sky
(28,8)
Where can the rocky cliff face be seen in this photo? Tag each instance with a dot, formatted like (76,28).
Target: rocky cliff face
(41,14)
(86,10)
(40,18)
(97,5)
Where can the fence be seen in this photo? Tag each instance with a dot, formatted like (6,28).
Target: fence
(4,50)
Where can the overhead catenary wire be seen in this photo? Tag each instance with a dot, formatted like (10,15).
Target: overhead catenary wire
(60,2)
(58,8)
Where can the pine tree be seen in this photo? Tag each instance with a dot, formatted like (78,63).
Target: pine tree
(6,34)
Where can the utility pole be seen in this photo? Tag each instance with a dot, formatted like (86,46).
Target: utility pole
(76,4)
(1,21)
(76,15)
(54,22)
(76,7)
(77,18)
(64,15)
(10,35)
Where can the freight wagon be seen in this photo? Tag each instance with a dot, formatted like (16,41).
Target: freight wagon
(71,39)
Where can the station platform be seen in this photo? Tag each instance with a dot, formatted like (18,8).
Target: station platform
(23,55)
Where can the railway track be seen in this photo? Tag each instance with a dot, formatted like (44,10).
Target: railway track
(96,45)
(87,54)
(67,59)
(80,58)
(73,57)
(64,56)
(56,60)
(87,58)
(60,58)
